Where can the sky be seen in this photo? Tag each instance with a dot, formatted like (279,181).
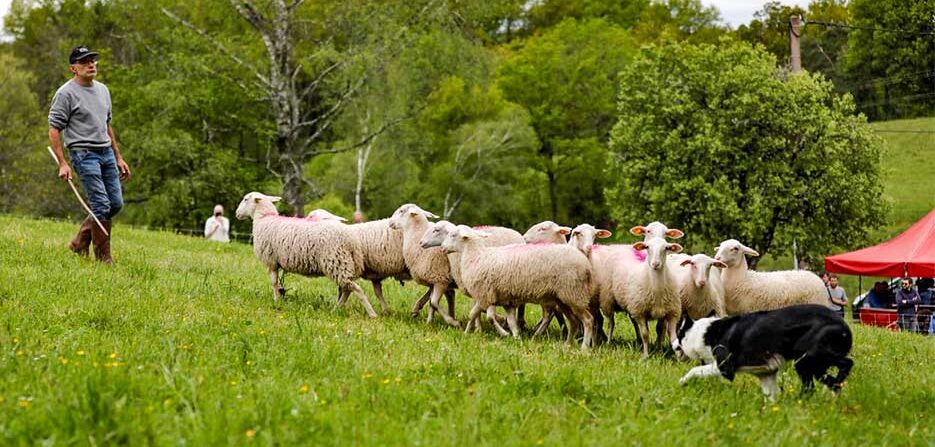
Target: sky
(733,12)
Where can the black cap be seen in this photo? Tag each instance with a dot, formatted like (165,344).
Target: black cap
(80,53)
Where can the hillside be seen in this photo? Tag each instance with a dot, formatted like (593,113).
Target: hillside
(180,343)
(909,170)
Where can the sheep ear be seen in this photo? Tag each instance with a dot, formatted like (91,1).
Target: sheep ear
(749,251)
(675,233)
(674,248)
(564,230)
(274,199)
(430,215)
(603,234)
(719,264)
(638,230)
(685,262)
(639,246)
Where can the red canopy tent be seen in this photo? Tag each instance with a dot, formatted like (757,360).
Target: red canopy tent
(912,253)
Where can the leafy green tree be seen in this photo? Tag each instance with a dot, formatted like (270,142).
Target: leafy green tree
(891,57)
(567,78)
(721,143)
(678,20)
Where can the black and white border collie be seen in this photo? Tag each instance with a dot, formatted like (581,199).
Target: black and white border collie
(814,337)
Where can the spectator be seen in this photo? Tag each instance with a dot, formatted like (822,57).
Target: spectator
(825,278)
(907,298)
(876,297)
(837,294)
(217,226)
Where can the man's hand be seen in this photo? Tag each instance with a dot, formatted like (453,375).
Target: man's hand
(64,171)
(124,169)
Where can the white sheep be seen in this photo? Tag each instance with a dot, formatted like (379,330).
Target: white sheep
(546,231)
(514,274)
(428,266)
(656,229)
(649,292)
(382,248)
(610,264)
(750,291)
(307,248)
(437,233)
(698,285)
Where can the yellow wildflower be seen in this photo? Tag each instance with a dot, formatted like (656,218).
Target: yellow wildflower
(251,433)
(303,389)
(80,353)
(398,379)
(775,407)
(112,355)
(367,376)
(63,360)
(385,381)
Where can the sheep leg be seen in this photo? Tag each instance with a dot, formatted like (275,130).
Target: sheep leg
(769,386)
(521,316)
(636,329)
(492,316)
(473,318)
(274,279)
(587,324)
(437,291)
(547,313)
(363,299)
(378,291)
(673,324)
(417,308)
(660,335)
(450,296)
(561,322)
(511,320)
(343,293)
(644,333)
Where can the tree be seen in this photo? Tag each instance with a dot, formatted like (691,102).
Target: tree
(678,20)
(566,78)
(722,144)
(891,57)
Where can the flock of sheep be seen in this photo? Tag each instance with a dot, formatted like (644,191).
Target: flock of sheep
(574,280)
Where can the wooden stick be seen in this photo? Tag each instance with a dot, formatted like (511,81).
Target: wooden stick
(86,207)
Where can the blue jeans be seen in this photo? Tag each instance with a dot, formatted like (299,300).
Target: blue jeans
(97,171)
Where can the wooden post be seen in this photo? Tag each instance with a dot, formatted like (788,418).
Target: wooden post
(795,56)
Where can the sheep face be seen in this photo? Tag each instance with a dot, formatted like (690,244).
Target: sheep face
(582,237)
(656,251)
(408,213)
(253,201)
(700,267)
(656,230)
(732,252)
(319,215)
(436,235)
(546,231)
(461,236)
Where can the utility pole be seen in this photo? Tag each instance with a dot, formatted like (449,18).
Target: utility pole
(795,56)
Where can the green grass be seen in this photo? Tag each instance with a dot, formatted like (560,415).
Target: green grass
(180,343)
(908,171)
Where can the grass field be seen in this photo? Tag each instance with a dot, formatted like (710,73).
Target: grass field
(180,343)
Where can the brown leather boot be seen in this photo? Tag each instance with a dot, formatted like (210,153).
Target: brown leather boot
(82,240)
(102,243)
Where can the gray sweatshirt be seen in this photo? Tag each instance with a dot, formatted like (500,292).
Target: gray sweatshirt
(83,114)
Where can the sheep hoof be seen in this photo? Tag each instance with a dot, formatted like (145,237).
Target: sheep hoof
(414,314)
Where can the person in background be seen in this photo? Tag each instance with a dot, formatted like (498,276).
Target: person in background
(924,286)
(837,294)
(876,297)
(217,227)
(825,278)
(907,298)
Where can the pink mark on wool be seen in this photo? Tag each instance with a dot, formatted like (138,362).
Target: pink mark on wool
(640,255)
(482,227)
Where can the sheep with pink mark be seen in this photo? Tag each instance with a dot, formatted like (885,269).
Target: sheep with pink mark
(299,246)
(382,250)
(750,291)
(611,266)
(507,276)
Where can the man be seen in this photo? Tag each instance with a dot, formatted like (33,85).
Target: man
(79,119)
(217,226)
(907,298)
(837,294)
